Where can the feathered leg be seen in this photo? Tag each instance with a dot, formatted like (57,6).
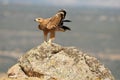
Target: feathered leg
(45,36)
(52,36)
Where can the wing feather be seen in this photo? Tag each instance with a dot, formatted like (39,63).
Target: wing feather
(55,21)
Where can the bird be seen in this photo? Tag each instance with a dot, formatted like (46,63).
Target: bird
(53,24)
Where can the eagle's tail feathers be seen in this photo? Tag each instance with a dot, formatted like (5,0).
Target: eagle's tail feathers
(66,21)
(65,28)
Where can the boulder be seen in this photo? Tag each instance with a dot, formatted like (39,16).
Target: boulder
(55,62)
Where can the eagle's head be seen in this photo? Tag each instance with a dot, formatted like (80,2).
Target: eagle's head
(39,20)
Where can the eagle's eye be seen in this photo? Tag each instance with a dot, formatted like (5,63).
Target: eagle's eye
(38,19)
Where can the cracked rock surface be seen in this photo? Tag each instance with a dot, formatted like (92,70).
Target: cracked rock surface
(55,62)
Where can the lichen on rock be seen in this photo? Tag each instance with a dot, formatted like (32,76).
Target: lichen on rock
(55,62)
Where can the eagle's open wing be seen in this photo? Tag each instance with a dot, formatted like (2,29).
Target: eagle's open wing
(62,10)
(55,21)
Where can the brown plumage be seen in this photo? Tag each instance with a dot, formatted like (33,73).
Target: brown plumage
(53,24)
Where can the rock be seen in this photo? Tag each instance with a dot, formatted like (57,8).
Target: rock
(16,71)
(29,78)
(55,62)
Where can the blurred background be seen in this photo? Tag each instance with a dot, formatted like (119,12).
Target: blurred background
(95,29)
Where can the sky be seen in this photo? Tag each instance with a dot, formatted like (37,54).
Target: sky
(109,3)
(100,3)
(104,3)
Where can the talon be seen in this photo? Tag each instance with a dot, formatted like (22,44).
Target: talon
(50,41)
(45,42)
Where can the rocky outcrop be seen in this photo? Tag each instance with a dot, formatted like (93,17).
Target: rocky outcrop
(55,62)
